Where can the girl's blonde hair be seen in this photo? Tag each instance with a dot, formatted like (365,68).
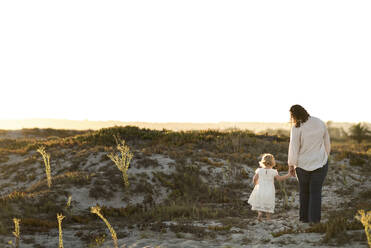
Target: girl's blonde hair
(267,160)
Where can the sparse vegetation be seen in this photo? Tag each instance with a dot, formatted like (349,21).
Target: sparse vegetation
(182,178)
(360,132)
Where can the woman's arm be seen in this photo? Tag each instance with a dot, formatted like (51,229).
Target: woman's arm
(294,146)
(326,139)
(255,179)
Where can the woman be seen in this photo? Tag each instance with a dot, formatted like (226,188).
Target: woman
(309,150)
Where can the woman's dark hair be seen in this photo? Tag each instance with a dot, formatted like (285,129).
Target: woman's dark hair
(298,114)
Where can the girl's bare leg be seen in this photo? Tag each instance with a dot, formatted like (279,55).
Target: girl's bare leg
(268,216)
(260,215)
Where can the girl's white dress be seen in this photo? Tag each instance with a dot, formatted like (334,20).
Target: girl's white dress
(263,195)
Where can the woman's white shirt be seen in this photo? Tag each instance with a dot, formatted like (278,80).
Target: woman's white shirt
(309,145)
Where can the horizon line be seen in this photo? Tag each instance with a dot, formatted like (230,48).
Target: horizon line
(66,124)
(165,122)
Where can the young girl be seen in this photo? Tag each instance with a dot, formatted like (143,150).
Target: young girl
(262,197)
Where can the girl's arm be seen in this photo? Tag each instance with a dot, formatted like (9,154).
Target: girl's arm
(281,178)
(255,179)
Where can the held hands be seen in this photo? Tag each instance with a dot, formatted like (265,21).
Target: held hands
(292,171)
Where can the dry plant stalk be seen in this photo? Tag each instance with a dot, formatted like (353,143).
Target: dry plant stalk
(365,219)
(122,162)
(46,157)
(16,232)
(69,201)
(60,217)
(96,210)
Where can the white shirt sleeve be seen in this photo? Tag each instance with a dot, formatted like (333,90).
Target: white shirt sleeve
(294,147)
(326,139)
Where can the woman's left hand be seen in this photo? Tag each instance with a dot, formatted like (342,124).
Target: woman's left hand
(292,171)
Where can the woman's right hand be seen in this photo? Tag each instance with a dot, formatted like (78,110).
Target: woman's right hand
(292,171)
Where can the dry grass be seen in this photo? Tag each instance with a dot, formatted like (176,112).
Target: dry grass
(19,195)
(336,227)
(211,162)
(38,225)
(192,193)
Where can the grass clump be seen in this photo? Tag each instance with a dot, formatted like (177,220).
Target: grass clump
(335,227)
(79,219)
(211,162)
(175,211)
(19,195)
(97,241)
(188,228)
(50,132)
(219,228)
(165,212)
(68,178)
(285,231)
(38,225)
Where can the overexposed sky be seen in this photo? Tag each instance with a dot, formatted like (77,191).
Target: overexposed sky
(185,61)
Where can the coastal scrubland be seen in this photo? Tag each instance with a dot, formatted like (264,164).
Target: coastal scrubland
(183,189)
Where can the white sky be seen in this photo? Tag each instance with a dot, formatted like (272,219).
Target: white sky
(185,61)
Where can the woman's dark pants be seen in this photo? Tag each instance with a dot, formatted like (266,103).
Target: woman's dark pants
(310,186)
